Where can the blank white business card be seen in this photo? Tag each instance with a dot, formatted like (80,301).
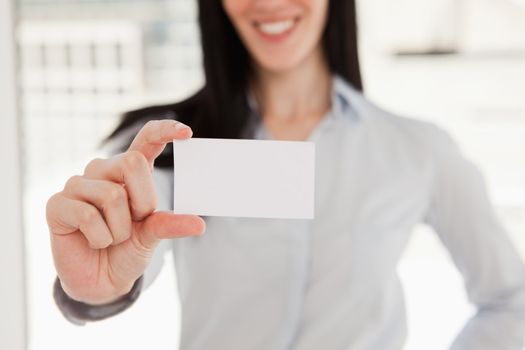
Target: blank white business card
(244,178)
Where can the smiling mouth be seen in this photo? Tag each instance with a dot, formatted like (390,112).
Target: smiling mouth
(276,28)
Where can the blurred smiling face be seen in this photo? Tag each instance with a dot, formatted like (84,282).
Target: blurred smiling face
(279,34)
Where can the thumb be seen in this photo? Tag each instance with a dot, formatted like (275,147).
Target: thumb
(163,225)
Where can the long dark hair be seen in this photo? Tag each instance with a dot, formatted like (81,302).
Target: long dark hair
(220,108)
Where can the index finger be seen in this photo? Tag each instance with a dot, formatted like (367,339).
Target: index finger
(153,137)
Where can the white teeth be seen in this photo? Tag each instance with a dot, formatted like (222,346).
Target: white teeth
(276,28)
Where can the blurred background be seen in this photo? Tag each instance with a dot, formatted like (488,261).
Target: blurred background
(458,63)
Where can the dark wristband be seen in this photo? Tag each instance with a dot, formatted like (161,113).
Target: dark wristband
(79,313)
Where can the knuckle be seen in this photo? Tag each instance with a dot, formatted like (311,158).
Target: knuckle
(133,160)
(51,204)
(51,201)
(92,165)
(73,182)
(149,124)
(88,215)
(116,194)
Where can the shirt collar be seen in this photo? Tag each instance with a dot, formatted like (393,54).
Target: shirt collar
(345,99)
(346,102)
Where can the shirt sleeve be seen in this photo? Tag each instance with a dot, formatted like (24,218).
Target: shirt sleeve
(463,216)
(79,313)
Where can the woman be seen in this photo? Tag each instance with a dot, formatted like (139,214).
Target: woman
(285,69)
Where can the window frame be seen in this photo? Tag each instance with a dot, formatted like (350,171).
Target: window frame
(13,325)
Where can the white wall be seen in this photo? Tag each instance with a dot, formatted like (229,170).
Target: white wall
(12,271)
(464,25)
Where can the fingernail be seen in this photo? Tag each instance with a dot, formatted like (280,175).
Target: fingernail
(180,125)
(186,129)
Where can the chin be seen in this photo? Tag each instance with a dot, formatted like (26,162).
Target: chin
(278,63)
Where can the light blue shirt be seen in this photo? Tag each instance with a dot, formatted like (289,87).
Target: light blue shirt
(331,283)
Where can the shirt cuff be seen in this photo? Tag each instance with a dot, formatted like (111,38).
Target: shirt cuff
(79,313)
